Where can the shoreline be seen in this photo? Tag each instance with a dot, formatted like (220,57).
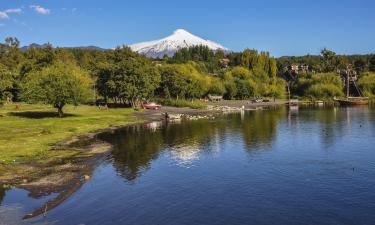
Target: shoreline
(85,144)
(67,174)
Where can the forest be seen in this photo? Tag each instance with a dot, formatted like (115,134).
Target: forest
(61,76)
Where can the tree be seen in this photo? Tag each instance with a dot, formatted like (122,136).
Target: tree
(173,83)
(367,84)
(136,80)
(6,83)
(331,61)
(372,64)
(58,85)
(321,85)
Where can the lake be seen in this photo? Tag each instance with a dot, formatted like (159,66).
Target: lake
(306,165)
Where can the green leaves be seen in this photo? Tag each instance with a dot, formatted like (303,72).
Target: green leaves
(367,84)
(58,85)
(127,76)
(6,83)
(321,85)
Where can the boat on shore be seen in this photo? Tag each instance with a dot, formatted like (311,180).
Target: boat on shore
(352,101)
(349,78)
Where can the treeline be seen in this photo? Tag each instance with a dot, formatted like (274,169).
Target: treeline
(329,61)
(322,79)
(60,76)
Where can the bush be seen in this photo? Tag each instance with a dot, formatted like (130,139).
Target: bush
(367,84)
(324,91)
(194,104)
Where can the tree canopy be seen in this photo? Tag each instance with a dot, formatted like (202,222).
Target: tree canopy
(58,85)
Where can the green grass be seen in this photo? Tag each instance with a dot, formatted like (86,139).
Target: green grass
(196,104)
(29,133)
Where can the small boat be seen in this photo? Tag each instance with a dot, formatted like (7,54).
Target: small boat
(352,101)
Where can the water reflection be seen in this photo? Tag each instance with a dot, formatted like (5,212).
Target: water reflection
(260,127)
(299,133)
(135,147)
(3,190)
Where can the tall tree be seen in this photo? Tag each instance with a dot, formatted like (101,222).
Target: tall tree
(6,83)
(58,84)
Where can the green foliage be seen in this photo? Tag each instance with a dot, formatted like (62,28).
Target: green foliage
(194,104)
(58,85)
(127,77)
(322,90)
(367,84)
(184,81)
(209,60)
(372,63)
(123,76)
(321,85)
(6,83)
(244,83)
(217,87)
(329,61)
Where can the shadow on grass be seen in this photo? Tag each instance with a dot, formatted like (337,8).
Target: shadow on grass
(39,115)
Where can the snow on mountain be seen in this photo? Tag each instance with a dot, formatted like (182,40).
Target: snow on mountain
(171,44)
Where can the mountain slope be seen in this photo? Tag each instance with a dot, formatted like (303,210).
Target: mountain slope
(171,44)
(34,45)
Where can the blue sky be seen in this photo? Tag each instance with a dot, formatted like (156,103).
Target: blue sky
(288,27)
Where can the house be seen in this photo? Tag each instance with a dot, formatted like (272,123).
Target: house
(224,63)
(215,98)
(297,68)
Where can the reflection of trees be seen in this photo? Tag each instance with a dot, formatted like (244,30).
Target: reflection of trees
(2,193)
(134,148)
(192,132)
(260,127)
(332,122)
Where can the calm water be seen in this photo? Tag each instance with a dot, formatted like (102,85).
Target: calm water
(301,166)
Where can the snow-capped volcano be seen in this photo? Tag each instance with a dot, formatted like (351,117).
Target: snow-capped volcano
(171,44)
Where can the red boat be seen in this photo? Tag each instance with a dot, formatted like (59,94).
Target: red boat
(151,105)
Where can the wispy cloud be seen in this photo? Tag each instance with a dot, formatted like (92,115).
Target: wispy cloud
(41,10)
(15,10)
(2,25)
(4,15)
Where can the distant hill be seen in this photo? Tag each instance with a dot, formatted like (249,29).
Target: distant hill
(34,45)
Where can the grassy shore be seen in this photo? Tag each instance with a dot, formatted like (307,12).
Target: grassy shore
(29,132)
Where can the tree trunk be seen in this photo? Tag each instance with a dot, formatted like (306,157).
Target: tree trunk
(60,107)
(59,110)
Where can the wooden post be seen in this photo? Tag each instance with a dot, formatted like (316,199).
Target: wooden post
(347,83)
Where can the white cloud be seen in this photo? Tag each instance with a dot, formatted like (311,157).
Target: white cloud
(4,15)
(15,10)
(2,25)
(39,9)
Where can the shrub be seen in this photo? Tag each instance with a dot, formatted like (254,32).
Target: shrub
(367,84)
(194,104)
(322,90)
